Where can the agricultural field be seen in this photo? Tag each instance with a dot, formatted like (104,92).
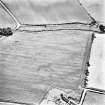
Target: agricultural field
(34,63)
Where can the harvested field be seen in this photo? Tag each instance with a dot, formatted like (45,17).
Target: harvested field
(30,64)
